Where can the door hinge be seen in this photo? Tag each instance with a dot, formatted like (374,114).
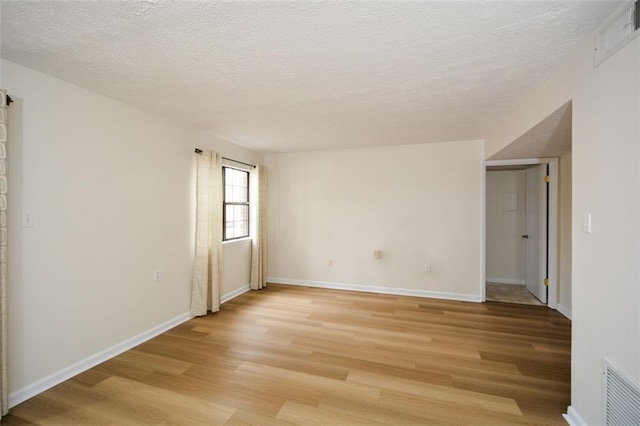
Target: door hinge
(546,282)
(547,179)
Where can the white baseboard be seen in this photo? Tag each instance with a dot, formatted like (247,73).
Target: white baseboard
(54,379)
(564,310)
(66,373)
(573,418)
(235,293)
(374,289)
(504,281)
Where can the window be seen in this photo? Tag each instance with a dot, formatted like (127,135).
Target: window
(235,204)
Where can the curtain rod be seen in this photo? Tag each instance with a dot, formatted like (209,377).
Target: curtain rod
(199,151)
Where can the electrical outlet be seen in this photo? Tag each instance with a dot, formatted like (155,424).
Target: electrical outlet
(427,267)
(330,262)
(156,275)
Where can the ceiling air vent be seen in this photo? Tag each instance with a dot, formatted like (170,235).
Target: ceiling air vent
(616,32)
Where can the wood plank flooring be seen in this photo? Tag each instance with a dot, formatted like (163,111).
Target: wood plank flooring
(294,355)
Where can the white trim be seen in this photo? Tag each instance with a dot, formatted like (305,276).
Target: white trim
(573,418)
(374,289)
(564,311)
(483,234)
(66,373)
(504,281)
(518,162)
(237,241)
(552,299)
(235,293)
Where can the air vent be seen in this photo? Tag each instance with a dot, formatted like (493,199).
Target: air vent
(616,32)
(622,397)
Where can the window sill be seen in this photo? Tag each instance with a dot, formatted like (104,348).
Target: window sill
(238,241)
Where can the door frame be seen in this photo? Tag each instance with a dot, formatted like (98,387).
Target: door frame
(552,298)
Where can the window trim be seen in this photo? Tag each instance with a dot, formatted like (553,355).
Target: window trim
(235,203)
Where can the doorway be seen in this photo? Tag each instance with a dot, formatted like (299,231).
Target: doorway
(521,231)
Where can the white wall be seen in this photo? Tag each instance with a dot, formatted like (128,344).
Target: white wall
(418,204)
(236,268)
(564,235)
(111,191)
(606,183)
(505,224)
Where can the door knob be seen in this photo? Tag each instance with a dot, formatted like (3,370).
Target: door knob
(525,236)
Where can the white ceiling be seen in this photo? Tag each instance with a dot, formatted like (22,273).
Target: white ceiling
(288,76)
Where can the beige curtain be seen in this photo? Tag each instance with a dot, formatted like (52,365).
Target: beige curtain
(205,284)
(4,388)
(259,226)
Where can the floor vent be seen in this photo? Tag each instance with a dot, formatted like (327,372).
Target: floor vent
(616,32)
(622,397)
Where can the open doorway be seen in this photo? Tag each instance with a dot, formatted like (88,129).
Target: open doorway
(549,139)
(521,231)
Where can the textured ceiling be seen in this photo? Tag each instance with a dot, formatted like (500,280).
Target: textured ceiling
(287,76)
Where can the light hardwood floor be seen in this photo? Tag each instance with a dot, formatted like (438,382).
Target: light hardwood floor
(295,355)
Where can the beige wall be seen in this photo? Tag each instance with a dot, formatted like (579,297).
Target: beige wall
(564,236)
(606,183)
(109,187)
(418,204)
(236,268)
(504,227)
(111,191)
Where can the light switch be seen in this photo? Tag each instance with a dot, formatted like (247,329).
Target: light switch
(586,223)
(27,220)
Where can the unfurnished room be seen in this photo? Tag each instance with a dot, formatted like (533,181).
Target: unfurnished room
(320,212)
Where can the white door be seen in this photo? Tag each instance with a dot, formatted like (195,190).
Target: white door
(535,234)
